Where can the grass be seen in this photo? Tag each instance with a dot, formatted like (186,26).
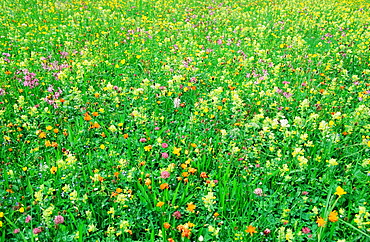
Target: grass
(184,120)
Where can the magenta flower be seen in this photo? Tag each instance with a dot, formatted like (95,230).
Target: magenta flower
(16,231)
(164,145)
(165,155)
(58,220)
(165,174)
(28,219)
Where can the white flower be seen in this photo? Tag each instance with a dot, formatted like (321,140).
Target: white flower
(176,102)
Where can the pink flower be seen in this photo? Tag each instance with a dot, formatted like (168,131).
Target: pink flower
(165,155)
(165,174)
(36,230)
(266,231)
(306,230)
(28,219)
(164,145)
(258,191)
(177,214)
(142,140)
(304,193)
(16,231)
(156,128)
(59,219)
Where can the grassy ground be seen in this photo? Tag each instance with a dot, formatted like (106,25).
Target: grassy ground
(184,120)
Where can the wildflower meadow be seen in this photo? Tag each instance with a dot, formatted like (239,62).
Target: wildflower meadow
(184,120)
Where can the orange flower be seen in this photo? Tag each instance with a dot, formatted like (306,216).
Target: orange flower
(119,190)
(185,174)
(321,222)
(250,229)
(125,136)
(148,181)
(42,135)
(95,125)
(333,216)
(192,170)
(87,117)
(186,233)
(114,194)
(191,207)
(170,240)
(164,186)
(95,114)
(166,225)
(160,204)
(203,175)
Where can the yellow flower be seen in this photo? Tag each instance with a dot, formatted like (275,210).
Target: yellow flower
(1,214)
(176,151)
(148,148)
(340,191)
(53,170)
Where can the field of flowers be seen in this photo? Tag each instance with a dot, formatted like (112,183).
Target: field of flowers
(183,120)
